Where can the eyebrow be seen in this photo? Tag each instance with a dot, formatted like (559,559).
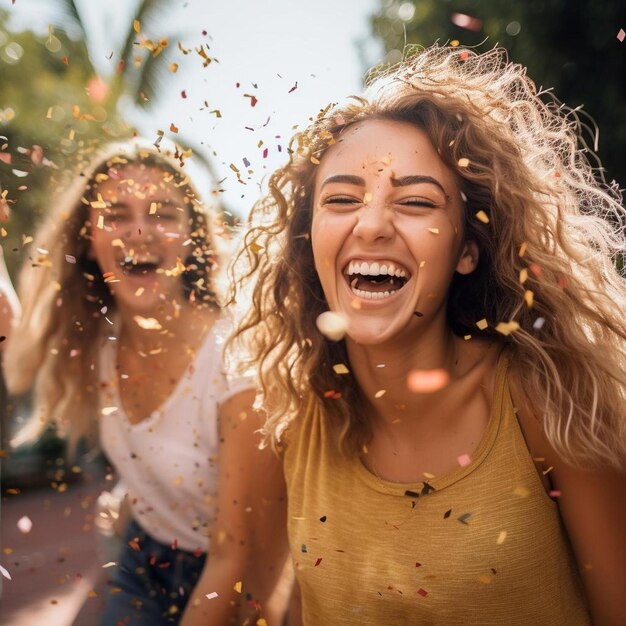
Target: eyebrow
(416,179)
(403,181)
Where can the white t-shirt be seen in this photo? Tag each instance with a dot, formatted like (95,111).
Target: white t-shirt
(168,461)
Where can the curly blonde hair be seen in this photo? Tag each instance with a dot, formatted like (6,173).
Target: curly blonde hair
(547,281)
(65,298)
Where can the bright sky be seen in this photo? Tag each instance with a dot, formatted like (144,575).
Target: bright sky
(323,46)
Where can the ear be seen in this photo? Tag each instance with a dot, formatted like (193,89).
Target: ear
(468,260)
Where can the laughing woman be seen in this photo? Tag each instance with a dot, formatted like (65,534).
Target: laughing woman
(458,456)
(121,335)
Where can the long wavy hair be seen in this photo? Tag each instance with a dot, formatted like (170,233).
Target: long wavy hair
(54,349)
(550,277)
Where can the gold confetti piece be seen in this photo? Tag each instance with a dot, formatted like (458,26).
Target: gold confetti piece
(483,217)
(523,275)
(147,323)
(49,114)
(501,537)
(173,67)
(255,247)
(522,249)
(117,243)
(100,223)
(467,337)
(522,492)
(136,25)
(153,208)
(529,296)
(99,203)
(26,239)
(506,328)
(464,162)
(434,231)
(340,368)
(238,586)
(367,198)
(173,128)
(482,324)
(108,410)
(315,161)
(485,579)
(261,622)
(380,393)
(332,325)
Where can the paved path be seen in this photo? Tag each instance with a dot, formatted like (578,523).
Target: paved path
(56,569)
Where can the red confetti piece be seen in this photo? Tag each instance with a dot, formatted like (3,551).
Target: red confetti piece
(294,87)
(535,269)
(120,66)
(318,562)
(265,153)
(422,592)
(183,93)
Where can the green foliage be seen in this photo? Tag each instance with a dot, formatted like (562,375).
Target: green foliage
(568,45)
(46,118)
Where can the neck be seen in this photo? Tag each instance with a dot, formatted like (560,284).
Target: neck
(180,324)
(387,366)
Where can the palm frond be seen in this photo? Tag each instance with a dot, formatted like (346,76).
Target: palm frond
(144,10)
(69,9)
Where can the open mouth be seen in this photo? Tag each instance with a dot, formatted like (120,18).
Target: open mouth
(375,280)
(140,266)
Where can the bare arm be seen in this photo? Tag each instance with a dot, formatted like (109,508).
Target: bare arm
(248,537)
(592,504)
(9,304)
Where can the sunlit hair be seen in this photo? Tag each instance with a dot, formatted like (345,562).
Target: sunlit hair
(548,255)
(66,301)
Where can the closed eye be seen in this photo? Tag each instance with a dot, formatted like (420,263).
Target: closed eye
(341,201)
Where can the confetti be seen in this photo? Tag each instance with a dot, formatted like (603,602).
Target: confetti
(24,524)
(332,325)
(340,368)
(237,586)
(522,249)
(147,323)
(506,328)
(108,410)
(483,217)
(434,231)
(212,595)
(555,493)
(153,208)
(463,518)
(538,323)
(529,296)
(464,162)
(422,592)
(5,572)
(522,492)
(319,560)
(173,67)
(482,324)
(501,537)
(464,460)
(380,393)
(621,35)
(427,381)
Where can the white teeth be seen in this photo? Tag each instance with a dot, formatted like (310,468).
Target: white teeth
(375,269)
(371,295)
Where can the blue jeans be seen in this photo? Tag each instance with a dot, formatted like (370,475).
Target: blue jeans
(151,585)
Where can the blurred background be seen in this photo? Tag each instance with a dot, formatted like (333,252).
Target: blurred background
(229,81)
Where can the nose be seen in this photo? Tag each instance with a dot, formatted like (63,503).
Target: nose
(374,222)
(139,230)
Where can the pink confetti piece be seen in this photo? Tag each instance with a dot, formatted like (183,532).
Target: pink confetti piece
(621,35)
(464,460)
(427,381)
(212,595)
(24,525)
(555,493)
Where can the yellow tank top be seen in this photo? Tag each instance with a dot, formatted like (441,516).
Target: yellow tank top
(481,545)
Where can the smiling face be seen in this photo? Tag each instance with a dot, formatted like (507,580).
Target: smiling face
(140,222)
(387,230)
